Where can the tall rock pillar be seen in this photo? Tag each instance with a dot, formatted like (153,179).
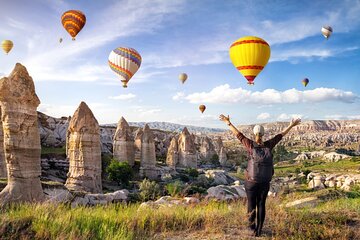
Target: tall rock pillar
(187,150)
(21,137)
(84,152)
(148,156)
(123,147)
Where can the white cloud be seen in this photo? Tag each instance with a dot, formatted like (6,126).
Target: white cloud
(225,94)
(123,97)
(287,117)
(178,96)
(342,117)
(263,116)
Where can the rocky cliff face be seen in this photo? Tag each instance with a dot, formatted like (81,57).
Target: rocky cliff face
(52,130)
(316,133)
(84,152)
(21,137)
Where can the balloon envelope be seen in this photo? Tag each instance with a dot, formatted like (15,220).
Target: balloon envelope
(7,45)
(250,55)
(73,21)
(183,77)
(326,31)
(124,62)
(305,82)
(202,108)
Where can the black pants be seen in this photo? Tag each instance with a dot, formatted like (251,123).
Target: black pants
(256,196)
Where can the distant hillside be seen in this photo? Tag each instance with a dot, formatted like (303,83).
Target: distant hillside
(314,133)
(173,127)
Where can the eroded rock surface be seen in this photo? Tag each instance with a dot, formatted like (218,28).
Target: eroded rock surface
(124,149)
(84,152)
(21,137)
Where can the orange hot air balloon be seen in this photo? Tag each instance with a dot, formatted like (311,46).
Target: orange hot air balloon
(73,21)
(250,55)
(202,108)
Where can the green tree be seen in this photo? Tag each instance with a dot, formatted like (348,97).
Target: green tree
(120,172)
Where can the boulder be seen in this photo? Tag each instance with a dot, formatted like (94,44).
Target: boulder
(84,150)
(22,147)
(222,192)
(220,177)
(56,195)
(168,201)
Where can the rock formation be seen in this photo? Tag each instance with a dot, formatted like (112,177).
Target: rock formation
(207,150)
(148,156)
(3,170)
(222,156)
(187,150)
(123,147)
(218,144)
(21,137)
(138,137)
(172,157)
(84,150)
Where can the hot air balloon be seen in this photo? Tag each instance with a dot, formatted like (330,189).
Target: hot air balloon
(183,77)
(124,62)
(7,45)
(305,82)
(60,40)
(250,55)
(326,31)
(73,21)
(202,108)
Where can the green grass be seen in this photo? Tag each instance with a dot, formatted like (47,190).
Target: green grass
(335,219)
(347,165)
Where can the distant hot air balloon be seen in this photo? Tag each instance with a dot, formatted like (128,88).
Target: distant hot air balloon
(326,31)
(60,40)
(202,108)
(183,77)
(7,45)
(305,82)
(124,62)
(73,21)
(250,55)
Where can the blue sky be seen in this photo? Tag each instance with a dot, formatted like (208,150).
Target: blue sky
(191,36)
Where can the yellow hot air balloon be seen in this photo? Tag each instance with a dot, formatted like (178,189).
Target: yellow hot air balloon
(7,45)
(202,108)
(183,77)
(250,55)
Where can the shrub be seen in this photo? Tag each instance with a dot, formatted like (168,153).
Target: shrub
(215,160)
(194,189)
(120,172)
(203,181)
(175,188)
(184,177)
(192,172)
(149,190)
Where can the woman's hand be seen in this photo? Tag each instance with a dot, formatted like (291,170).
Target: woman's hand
(225,119)
(295,122)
